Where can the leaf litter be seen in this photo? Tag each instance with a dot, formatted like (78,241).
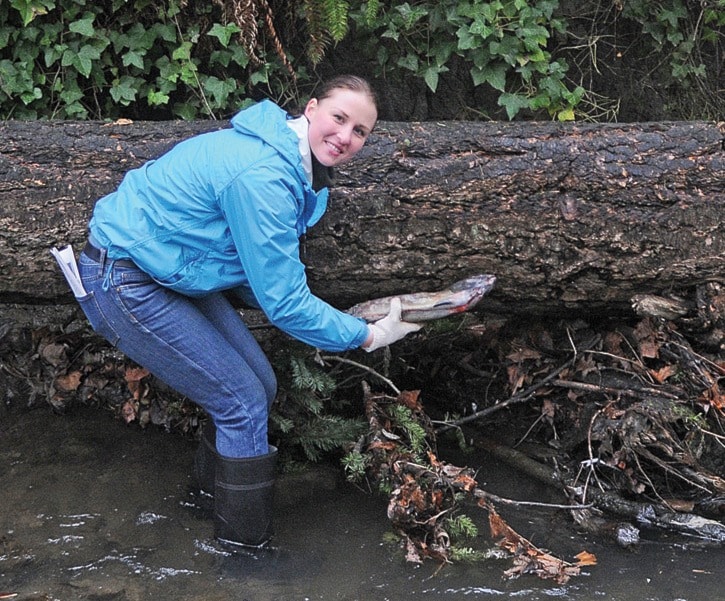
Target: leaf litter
(632,413)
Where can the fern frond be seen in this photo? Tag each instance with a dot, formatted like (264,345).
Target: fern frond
(371,12)
(284,424)
(318,38)
(467,554)
(355,465)
(336,12)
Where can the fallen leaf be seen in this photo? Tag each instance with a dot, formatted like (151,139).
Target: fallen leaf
(128,411)
(586,559)
(134,377)
(548,408)
(529,559)
(523,353)
(69,381)
(54,354)
(410,398)
(660,375)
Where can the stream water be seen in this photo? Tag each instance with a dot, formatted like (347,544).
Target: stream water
(92,509)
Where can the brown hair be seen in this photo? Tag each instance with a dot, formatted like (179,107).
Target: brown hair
(347,82)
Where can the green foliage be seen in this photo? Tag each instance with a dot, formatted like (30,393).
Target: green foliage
(76,59)
(355,465)
(681,33)
(304,414)
(504,42)
(323,434)
(327,20)
(71,59)
(461,526)
(415,434)
(467,554)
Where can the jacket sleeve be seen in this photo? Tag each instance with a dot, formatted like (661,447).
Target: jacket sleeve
(261,211)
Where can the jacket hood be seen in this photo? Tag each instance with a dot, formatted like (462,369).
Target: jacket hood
(268,122)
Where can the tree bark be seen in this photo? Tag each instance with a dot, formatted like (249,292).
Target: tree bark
(570,217)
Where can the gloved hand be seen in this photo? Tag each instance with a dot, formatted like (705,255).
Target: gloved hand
(390,328)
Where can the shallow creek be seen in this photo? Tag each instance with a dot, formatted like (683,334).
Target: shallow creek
(92,509)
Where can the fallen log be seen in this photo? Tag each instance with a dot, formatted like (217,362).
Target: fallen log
(568,216)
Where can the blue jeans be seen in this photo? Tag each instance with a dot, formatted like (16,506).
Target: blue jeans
(198,346)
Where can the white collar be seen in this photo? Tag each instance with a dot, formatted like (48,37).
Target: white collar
(300,125)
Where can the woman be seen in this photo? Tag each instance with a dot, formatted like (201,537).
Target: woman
(224,211)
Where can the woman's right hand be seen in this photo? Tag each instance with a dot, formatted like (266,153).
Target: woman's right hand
(389,329)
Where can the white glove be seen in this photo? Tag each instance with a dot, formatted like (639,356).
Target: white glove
(390,328)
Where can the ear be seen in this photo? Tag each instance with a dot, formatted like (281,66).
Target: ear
(311,107)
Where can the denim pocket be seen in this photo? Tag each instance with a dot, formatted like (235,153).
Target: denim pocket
(142,299)
(101,325)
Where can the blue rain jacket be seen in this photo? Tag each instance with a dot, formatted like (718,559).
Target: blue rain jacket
(225,210)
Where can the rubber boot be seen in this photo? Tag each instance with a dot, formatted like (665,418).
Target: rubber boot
(243,499)
(205,460)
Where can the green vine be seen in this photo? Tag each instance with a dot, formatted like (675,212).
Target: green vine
(504,42)
(71,59)
(189,59)
(682,36)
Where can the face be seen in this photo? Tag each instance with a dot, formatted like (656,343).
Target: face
(339,125)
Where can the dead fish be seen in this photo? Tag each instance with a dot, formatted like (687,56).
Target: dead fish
(424,306)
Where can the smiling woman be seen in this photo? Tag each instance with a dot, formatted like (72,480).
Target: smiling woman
(339,125)
(220,212)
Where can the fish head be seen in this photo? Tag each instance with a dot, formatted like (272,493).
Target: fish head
(466,293)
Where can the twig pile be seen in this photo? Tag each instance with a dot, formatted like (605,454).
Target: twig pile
(427,493)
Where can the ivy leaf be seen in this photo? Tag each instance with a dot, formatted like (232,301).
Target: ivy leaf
(513,103)
(566,115)
(431,78)
(219,89)
(71,95)
(239,56)
(185,111)
(183,52)
(83,60)
(123,91)
(156,98)
(409,61)
(133,58)
(83,26)
(223,33)
(466,40)
(29,9)
(493,74)
(34,94)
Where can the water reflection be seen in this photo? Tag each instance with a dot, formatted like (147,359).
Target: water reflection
(91,509)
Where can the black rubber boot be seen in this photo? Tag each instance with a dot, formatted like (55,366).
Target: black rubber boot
(243,499)
(205,460)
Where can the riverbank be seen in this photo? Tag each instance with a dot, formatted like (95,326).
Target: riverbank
(93,509)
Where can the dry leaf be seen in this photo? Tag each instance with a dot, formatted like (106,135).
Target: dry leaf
(529,559)
(409,398)
(54,354)
(523,353)
(586,559)
(660,375)
(134,377)
(128,411)
(69,381)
